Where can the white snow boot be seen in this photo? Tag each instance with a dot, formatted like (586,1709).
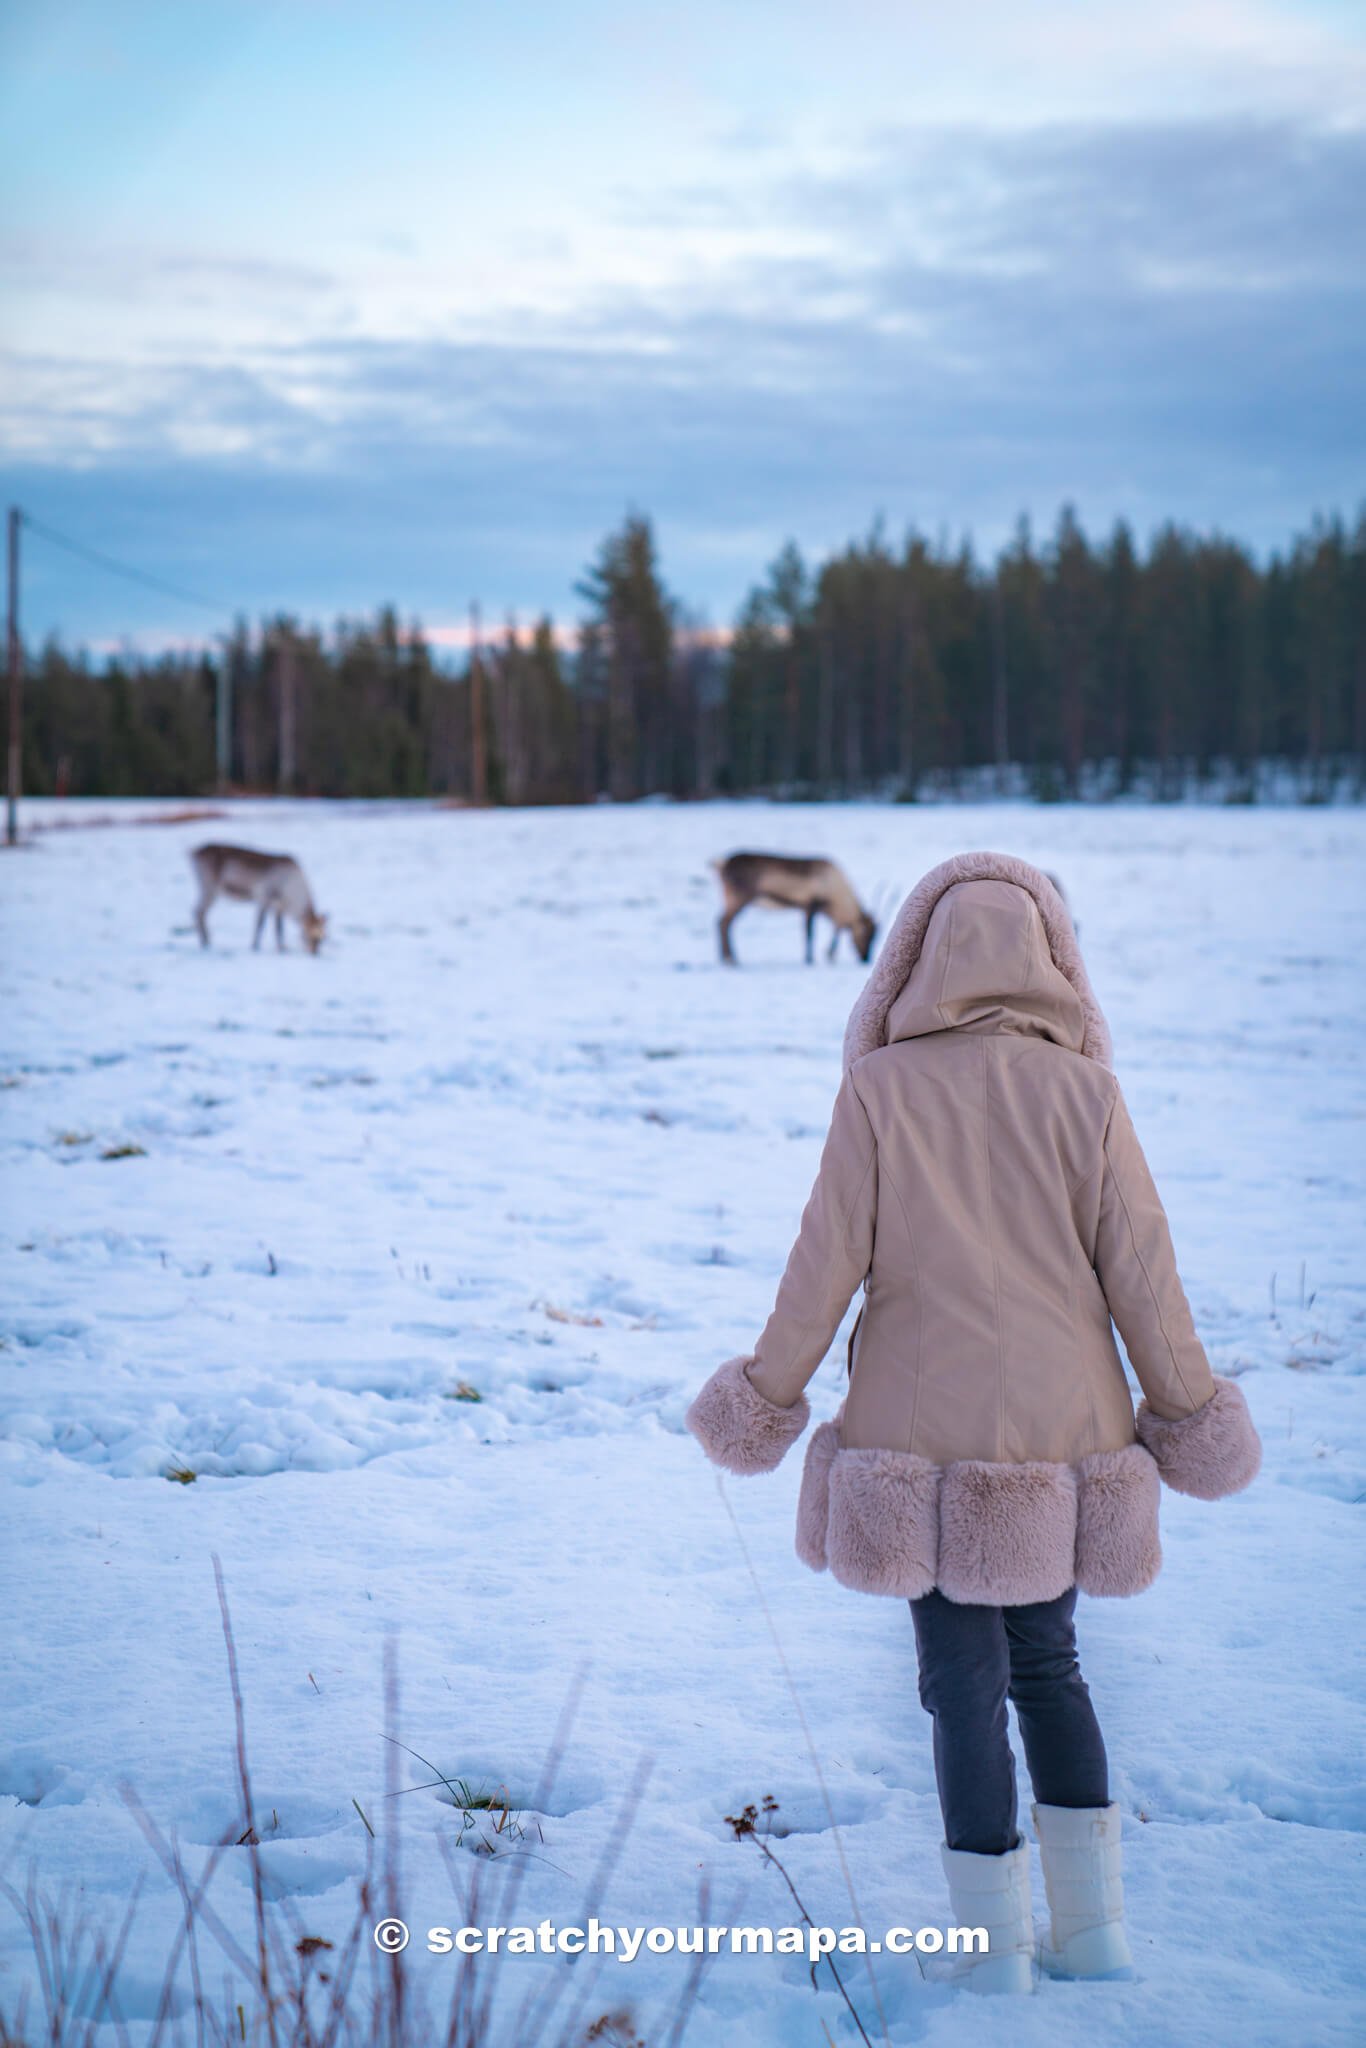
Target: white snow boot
(1080,1848)
(993,1892)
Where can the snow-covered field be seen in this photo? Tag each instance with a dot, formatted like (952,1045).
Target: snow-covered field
(514,1133)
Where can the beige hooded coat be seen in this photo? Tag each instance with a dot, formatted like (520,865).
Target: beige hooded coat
(982,1182)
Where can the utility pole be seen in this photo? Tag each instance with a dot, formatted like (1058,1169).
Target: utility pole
(479,753)
(16,686)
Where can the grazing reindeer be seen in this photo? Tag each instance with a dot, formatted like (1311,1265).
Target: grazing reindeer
(815,886)
(273,881)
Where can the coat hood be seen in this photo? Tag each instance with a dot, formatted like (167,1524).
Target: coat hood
(983,942)
(984,965)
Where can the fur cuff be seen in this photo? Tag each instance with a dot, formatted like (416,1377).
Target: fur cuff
(1209,1453)
(739,1428)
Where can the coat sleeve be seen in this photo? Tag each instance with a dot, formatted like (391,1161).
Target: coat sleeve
(752,1408)
(1195,1422)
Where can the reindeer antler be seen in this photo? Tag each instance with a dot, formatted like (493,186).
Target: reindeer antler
(886,897)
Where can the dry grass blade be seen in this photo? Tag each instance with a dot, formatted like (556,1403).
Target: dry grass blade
(244,1780)
(300,1989)
(397,1979)
(597,1885)
(815,1759)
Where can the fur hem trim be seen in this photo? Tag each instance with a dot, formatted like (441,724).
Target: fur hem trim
(813,1501)
(884,1511)
(739,1428)
(984,1533)
(1007,1532)
(1211,1452)
(867,1028)
(1119,1494)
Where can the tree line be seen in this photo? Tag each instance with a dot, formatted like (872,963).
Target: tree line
(1065,668)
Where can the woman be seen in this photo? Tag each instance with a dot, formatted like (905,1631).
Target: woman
(983,1183)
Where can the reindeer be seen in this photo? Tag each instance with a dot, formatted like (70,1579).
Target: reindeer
(273,881)
(816,886)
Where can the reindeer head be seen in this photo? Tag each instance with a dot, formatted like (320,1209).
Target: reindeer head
(886,897)
(315,928)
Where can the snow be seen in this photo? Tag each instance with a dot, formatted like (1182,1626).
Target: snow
(515,1131)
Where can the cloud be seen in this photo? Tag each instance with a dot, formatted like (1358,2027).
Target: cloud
(134,270)
(1157,319)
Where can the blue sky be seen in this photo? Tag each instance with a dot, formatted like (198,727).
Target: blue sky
(317,305)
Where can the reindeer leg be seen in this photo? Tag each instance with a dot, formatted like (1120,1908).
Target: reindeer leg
(810,930)
(201,918)
(723,925)
(279,931)
(261,916)
(834,942)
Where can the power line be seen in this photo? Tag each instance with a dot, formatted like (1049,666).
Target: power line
(117,568)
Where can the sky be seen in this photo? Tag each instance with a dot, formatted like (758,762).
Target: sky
(317,306)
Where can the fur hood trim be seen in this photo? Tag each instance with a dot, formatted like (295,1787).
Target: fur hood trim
(867,1028)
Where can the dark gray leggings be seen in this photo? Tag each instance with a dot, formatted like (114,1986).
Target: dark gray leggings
(972,1659)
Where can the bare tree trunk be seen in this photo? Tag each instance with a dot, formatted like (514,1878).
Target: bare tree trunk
(513,693)
(884,665)
(251,710)
(791,707)
(825,720)
(853,738)
(905,751)
(479,745)
(287,684)
(14,767)
(1000,731)
(622,735)
(222,723)
(704,715)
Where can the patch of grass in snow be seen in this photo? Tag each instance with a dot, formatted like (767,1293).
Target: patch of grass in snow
(182,1475)
(485,1806)
(488,1815)
(462,1391)
(285,1985)
(73,1138)
(127,1150)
